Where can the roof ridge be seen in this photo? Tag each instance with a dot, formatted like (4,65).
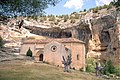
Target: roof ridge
(61,40)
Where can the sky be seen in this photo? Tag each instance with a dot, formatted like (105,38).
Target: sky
(69,6)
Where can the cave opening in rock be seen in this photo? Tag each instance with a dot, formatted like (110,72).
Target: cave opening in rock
(105,37)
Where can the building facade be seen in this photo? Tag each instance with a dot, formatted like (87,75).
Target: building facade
(53,51)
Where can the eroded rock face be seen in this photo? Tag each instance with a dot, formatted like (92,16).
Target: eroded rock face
(101,35)
(105,39)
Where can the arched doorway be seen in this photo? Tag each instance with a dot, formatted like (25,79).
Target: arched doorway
(41,57)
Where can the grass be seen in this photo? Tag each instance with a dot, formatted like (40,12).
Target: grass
(18,70)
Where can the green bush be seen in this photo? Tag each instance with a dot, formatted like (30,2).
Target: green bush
(76,16)
(34,17)
(71,17)
(1,42)
(100,7)
(42,19)
(80,11)
(52,18)
(105,6)
(90,65)
(117,70)
(95,10)
(90,61)
(109,6)
(29,53)
(111,69)
(116,3)
(60,16)
(84,10)
(90,68)
(66,17)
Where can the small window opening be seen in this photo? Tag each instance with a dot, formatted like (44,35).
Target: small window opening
(54,48)
(77,56)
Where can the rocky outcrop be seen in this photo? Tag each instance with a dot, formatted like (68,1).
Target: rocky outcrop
(100,31)
(104,43)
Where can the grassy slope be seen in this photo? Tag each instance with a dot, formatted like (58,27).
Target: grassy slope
(17,70)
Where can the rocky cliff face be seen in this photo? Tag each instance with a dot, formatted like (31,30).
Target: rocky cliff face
(100,32)
(104,43)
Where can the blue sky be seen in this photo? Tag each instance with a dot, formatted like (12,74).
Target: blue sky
(69,6)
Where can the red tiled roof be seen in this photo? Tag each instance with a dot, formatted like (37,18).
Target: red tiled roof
(61,40)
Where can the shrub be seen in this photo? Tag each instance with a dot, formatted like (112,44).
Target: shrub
(111,69)
(84,10)
(66,17)
(117,70)
(52,18)
(80,11)
(76,16)
(109,7)
(90,65)
(100,7)
(95,10)
(34,17)
(71,17)
(90,61)
(60,16)
(105,6)
(29,53)
(49,16)
(1,42)
(42,19)
(117,4)
(91,9)
(90,68)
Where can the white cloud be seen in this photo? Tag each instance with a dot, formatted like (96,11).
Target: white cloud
(102,2)
(77,4)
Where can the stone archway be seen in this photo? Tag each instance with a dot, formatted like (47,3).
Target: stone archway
(41,57)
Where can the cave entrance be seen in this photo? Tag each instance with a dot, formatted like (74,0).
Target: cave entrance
(105,37)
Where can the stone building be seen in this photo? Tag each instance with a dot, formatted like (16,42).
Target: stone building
(53,50)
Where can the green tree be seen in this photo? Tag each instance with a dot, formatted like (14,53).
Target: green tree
(85,10)
(117,70)
(105,6)
(116,3)
(95,10)
(111,69)
(25,7)
(100,7)
(90,66)
(52,18)
(66,17)
(29,53)
(76,16)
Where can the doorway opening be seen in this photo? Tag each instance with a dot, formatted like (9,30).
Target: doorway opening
(41,57)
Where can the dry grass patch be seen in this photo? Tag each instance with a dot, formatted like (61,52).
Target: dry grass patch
(17,70)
